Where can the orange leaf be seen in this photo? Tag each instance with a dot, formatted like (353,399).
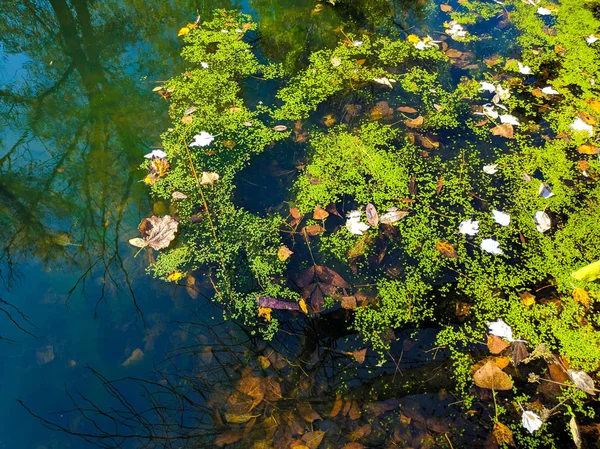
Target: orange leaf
(492,377)
(527,298)
(313,439)
(313,230)
(588,148)
(581,296)
(496,344)
(452,53)
(359,355)
(445,8)
(337,406)
(320,213)
(415,122)
(446,249)
(406,109)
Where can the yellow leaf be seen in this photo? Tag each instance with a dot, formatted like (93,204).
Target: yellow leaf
(527,298)
(503,434)
(265,312)
(589,273)
(492,377)
(175,276)
(284,253)
(581,296)
(413,39)
(303,307)
(183,31)
(588,148)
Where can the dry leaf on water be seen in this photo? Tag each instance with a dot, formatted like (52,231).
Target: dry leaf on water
(313,230)
(284,253)
(492,377)
(406,109)
(519,352)
(135,356)
(372,215)
(445,8)
(229,437)
(446,249)
(504,130)
(503,434)
(588,148)
(575,432)
(359,355)
(527,298)
(320,213)
(280,128)
(157,232)
(581,296)
(414,123)
(337,406)
(582,380)
(208,178)
(496,344)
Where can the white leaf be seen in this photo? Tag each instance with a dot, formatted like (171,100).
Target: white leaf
(354,225)
(500,329)
(575,432)
(204,65)
(580,125)
(140,243)
(503,94)
(542,221)
(357,43)
(469,227)
(548,90)
(336,61)
(544,191)
(524,69)
(208,178)
(202,140)
(179,196)
(156,153)
(591,39)
(543,11)
(490,169)
(510,119)
(488,110)
(582,380)
(489,87)
(491,246)
(385,81)
(502,218)
(531,421)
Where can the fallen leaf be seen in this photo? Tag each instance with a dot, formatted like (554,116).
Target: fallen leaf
(229,437)
(503,434)
(279,304)
(313,230)
(452,53)
(542,221)
(329,276)
(252,386)
(178,196)
(589,119)
(582,380)
(188,119)
(320,213)
(589,273)
(307,413)
(348,302)
(406,109)
(446,249)
(313,439)
(462,309)
(445,8)
(280,128)
(527,298)
(190,110)
(157,232)
(283,253)
(175,276)
(362,432)
(492,377)
(372,216)
(582,297)
(329,120)
(594,104)
(588,148)
(135,356)
(359,355)
(504,130)
(519,352)
(575,432)
(264,362)
(414,123)
(496,344)
(381,110)
(393,215)
(238,419)
(208,178)
(337,406)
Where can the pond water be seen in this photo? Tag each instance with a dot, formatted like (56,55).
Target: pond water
(78,114)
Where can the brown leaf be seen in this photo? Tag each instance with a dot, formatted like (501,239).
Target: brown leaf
(348,302)
(359,355)
(313,439)
(158,232)
(504,130)
(329,276)
(527,298)
(557,373)
(329,120)
(492,377)
(588,148)
(496,344)
(313,230)
(320,213)
(412,185)
(372,216)
(452,53)
(503,434)
(414,122)
(587,118)
(354,445)
(407,110)
(251,386)
(362,432)
(284,253)
(333,210)
(582,380)
(238,419)
(440,185)
(337,406)
(306,277)
(306,412)
(272,389)
(482,122)
(229,437)
(381,110)
(354,411)
(446,249)
(445,8)
(519,352)
(462,309)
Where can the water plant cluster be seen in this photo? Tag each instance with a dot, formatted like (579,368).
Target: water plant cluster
(432,187)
